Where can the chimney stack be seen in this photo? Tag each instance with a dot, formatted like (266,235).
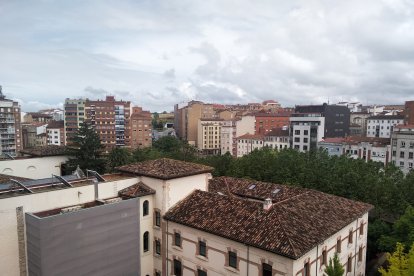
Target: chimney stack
(267,204)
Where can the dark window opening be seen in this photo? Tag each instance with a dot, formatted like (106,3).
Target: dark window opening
(266,270)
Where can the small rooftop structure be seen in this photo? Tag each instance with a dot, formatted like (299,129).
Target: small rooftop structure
(136,190)
(165,168)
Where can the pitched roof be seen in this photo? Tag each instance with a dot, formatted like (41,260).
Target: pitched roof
(278,132)
(56,124)
(165,168)
(49,150)
(136,190)
(251,136)
(5,178)
(298,220)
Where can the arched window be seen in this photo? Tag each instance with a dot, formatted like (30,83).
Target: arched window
(145,208)
(146,241)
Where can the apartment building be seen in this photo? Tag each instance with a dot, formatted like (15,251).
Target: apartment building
(37,117)
(265,122)
(186,118)
(358,123)
(209,136)
(409,113)
(110,119)
(366,148)
(248,143)
(56,133)
(402,146)
(10,129)
(227,137)
(74,116)
(34,134)
(311,123)
(382,125)
(277,138)
(247,227)
(141,128)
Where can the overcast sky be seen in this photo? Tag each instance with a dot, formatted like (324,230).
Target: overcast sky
(158,53)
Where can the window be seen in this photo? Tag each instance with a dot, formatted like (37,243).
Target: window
(201,272)
(361,229)
(350,237)
(394,153)
(146,241)
(324,257)
(297,139)
(177,268)
(410,155)
(177,239)
(202,248)
(403,144)
(305,132)
(401,154)
(349,265)
(266,270)
(145,208)
(360,256)
(232,259)
(305,140)
(297,132)
(338,245)
(157,218)
(158,247)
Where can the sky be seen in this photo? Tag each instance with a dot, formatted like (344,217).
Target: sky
(159,53)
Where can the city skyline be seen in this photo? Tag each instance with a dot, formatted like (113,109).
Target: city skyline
(157,53)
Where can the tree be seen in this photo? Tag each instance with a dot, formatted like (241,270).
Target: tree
(86,149)
(334,267)
(118,157)
(399,262)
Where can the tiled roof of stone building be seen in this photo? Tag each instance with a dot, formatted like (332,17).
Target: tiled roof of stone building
(296,222)
(165,168)
(49,150)
(136,190)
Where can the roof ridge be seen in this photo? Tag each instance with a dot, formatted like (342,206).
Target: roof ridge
(287,236)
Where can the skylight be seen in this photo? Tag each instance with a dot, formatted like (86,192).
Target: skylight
(251,187)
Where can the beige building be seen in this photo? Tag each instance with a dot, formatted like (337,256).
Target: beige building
(209,136)
(186,119)
(74,115)
(11,141)
(277,138)
(141,128)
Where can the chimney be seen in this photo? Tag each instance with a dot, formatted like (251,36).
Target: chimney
(267,204)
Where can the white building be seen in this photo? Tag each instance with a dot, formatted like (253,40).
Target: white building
(368,149)
(248,143)
(56,133)
(244,227)
(306,130)
(227,136)
(353,106)
(382,125)
(403,147)
(277,138)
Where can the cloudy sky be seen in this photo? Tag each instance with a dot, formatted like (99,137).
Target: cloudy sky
(158,53)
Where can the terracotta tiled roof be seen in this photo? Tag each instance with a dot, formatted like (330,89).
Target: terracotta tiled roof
(298,220)
(136,190)
(49,150)
(279,132)
(251,136)
(56,124)
(165,168)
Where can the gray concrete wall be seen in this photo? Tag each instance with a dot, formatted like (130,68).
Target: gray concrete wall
(102,240)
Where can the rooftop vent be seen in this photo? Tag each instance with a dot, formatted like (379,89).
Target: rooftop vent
(267,204)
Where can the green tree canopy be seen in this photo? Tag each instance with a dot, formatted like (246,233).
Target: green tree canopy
(399,262)
(118,157)
(334,268)
(86,149)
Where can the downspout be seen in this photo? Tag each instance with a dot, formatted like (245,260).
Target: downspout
(356,246)
(247,260)
(167,251)
(317,257)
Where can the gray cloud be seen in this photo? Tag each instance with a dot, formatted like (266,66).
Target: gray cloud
(159,53)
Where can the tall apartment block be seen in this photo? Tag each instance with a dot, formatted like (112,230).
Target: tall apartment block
(110,118)
(311,123)
(209,136)
(382,125)
(186,119)
(10,128)
(141,128)
(74,116)
(402,147)
(409,112)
